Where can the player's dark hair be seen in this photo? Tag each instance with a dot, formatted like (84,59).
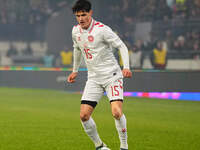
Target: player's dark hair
(82,5)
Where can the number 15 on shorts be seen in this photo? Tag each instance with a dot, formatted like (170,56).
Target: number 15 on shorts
(115,90)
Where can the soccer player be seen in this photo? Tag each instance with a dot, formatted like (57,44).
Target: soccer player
(95,41)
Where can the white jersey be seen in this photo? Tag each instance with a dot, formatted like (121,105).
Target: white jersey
(95,44)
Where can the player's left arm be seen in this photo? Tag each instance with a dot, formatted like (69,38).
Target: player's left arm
(113,39)
(125,59)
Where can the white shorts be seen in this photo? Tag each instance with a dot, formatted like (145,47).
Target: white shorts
(93,91)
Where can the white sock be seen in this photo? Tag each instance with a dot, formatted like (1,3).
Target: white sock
(90,128)
(122,131)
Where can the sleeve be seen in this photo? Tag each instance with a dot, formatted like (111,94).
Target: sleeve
(77,55)
(113,39)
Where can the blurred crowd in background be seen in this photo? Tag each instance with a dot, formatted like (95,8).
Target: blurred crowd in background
(175,26)
(29,11)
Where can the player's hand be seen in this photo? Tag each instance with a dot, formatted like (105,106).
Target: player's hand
(71,78)
(127,73)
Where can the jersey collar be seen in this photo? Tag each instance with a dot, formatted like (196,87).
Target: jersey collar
(90,27)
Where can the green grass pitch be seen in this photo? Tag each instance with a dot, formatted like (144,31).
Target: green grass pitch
(35,119)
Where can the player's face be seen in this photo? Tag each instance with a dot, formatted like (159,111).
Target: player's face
(84,18)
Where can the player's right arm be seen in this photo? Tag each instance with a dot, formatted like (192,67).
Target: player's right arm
(71,78)
(76,61)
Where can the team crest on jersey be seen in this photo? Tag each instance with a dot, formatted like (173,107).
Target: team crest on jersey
(90,38)
(79,38)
